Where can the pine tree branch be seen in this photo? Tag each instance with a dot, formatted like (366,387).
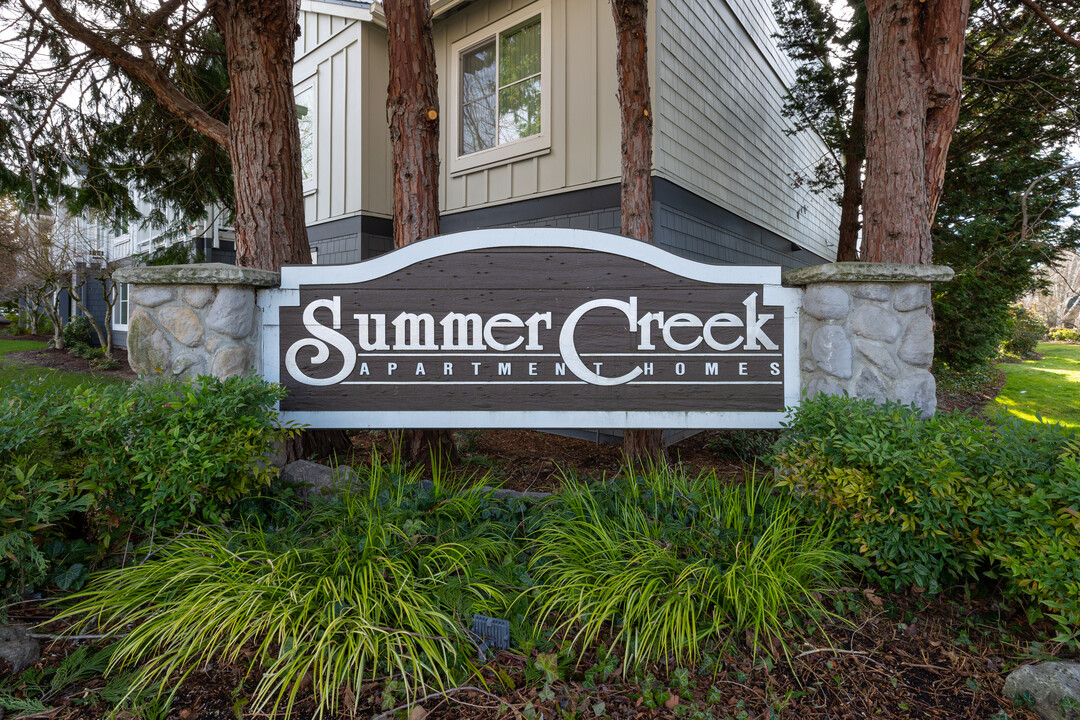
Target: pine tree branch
(147,71)
(1035,8)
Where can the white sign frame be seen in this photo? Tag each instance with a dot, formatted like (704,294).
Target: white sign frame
(272,300)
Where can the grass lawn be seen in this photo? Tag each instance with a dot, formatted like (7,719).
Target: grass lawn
(1047,388)
(12,371)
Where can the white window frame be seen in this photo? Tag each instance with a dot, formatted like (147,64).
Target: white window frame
(311,184)
(503,153)
(120,292)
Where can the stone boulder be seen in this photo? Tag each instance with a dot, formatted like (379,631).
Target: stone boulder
(17,647)
(1054,685)
(316,479)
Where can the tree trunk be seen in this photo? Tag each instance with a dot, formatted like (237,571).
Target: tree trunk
(53,313)
(635,103)
(943,35)
(264,149)
(913,98)
(264,137)
(412,109)
(854,156)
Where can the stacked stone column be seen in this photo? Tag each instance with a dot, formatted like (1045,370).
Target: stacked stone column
(191,320)
(866,330)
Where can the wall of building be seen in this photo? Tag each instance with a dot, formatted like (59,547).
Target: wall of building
(684,223)
(720,81)
(347,62)
(584,136)
(718,86)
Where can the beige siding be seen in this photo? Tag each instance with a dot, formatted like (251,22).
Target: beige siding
(347,59)
(378,198)
(719,84)
(584,107)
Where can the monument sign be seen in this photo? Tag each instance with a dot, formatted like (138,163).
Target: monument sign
(537,328)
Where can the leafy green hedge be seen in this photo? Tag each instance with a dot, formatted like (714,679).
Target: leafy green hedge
(100,462)
(941,501)
(1066,335)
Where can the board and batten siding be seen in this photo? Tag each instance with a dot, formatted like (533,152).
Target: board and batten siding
(719,86)
(584,106)
(348,61)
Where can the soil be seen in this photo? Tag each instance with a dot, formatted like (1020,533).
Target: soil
(528,460)
(65,361)
(898,657)
(972,402)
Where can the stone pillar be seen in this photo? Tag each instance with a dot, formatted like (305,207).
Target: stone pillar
(190,320)
(867,330)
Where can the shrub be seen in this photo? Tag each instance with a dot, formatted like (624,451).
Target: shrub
(1065,335)
(81,468)
(40,491)
(1026,331)
(944,500)
(104,363)
(365,587)
(670,562)
(77,330)
(165,454)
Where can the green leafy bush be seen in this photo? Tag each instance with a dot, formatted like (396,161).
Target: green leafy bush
(367,586)
(80,468)
(944,500)
(77,330)
(164,454)
(669,562)
(40,489)
(1025,332)
(1066,335)
(84,351)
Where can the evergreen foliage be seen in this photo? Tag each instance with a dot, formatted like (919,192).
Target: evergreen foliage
(78,134)
(1017,123)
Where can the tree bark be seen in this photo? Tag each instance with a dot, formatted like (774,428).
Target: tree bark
(264,149)
(913,101)
(264,137)
(942,39)
(854,157)
(412,109)
(635,103)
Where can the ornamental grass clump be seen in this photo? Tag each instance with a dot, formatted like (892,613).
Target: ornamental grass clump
(371,585)
(663,563)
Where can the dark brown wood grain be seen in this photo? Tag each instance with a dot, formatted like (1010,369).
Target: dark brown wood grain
(523,282)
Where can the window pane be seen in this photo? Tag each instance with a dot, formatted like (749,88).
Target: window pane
(519,51)
(478,125)
(478,73)
(519,110)
(305,115)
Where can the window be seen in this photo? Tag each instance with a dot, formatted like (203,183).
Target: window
(500,89)
(305,116)
(120,309)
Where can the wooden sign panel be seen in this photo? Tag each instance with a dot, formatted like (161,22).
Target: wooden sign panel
(538,328)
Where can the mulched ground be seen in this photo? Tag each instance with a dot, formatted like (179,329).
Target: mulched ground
(974,401)
(527,460)
(899,657)
(65,361)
